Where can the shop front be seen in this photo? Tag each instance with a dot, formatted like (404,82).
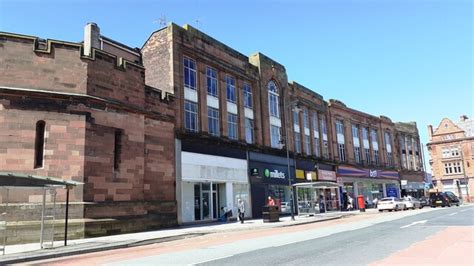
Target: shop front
(316,188)
(370,183)
(269,177)
(210,185)
(412,184)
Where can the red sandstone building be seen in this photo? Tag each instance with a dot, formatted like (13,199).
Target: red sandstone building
(82,112)
(451,150)
(179,130)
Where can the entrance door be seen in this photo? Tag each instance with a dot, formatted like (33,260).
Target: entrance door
(206,205)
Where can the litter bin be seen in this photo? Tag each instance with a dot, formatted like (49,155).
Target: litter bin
(361,203)
(270,214)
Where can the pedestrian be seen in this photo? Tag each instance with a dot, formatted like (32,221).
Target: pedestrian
(350,206)
(241,207)
(376,200)
(271,202)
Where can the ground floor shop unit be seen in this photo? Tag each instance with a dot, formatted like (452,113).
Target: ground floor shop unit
(412,183)
(317,197)
(370,183)
(209,185)
(269,177)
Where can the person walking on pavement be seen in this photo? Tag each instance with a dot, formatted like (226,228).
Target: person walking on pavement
(241,207)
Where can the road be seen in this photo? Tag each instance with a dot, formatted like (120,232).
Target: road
(441,236)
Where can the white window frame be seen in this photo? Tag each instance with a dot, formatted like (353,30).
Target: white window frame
(187,68)
(212,82)
(273,99)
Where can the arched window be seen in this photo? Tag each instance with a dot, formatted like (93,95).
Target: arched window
(39,143)
(273,99)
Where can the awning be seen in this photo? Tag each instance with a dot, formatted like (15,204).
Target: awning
(8,179)
(317,184)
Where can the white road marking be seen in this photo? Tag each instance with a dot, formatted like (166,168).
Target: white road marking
(414,223)
(454,213)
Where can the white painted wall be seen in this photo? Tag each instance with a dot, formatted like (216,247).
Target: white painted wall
(187,202)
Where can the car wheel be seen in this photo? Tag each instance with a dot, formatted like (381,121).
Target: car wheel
(380,210)
(390,210)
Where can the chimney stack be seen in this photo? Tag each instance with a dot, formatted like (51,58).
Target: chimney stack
(463,118)
(430,131)
(91,38)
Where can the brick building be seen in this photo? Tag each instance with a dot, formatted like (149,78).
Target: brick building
(202,126)
(82,112)
(451,151)
(233,113)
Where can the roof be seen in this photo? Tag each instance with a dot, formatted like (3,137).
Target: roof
(468,126)
(8,179)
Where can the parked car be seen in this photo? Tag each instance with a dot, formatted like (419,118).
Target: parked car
(424,201)
(411,203)
(285,207)
(453,199)
(443,199)
(390,204)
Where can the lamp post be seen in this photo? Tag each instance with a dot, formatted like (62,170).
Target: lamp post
(286,108)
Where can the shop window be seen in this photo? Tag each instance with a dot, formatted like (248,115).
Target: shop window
(39,144)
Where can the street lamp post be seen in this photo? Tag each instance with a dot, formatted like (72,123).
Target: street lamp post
(286,108)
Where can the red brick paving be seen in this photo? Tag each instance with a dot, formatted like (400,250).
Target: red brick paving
(452,246)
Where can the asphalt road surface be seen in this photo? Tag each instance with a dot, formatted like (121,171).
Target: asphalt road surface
(429,236)
(363,246)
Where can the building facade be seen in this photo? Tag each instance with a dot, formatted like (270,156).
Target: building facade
(181,129)
(82,112)
(451,151)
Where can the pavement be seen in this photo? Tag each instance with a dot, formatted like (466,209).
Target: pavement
(31,252)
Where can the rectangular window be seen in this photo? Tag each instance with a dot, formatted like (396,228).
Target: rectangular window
(375,146)
(357,155)
(211,78)
(296,119)
(316,141)
(376,157)
(117,148)
(39,144)
(275,136)
(230,88)
(297,142)
(189,73)
(232,126)
(306,144)
(388,148)
(273,104)
(355,132)
(324,130)
(305,119)
(339,127)
(191,116)
(367,155)
(249,130)
(247,96)
(365,134)
(213,121)
(342,152)
(356,142)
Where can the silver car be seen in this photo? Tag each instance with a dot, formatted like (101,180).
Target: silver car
(390,204)
(412,203)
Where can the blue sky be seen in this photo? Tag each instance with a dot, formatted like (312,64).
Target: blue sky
(411,60)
